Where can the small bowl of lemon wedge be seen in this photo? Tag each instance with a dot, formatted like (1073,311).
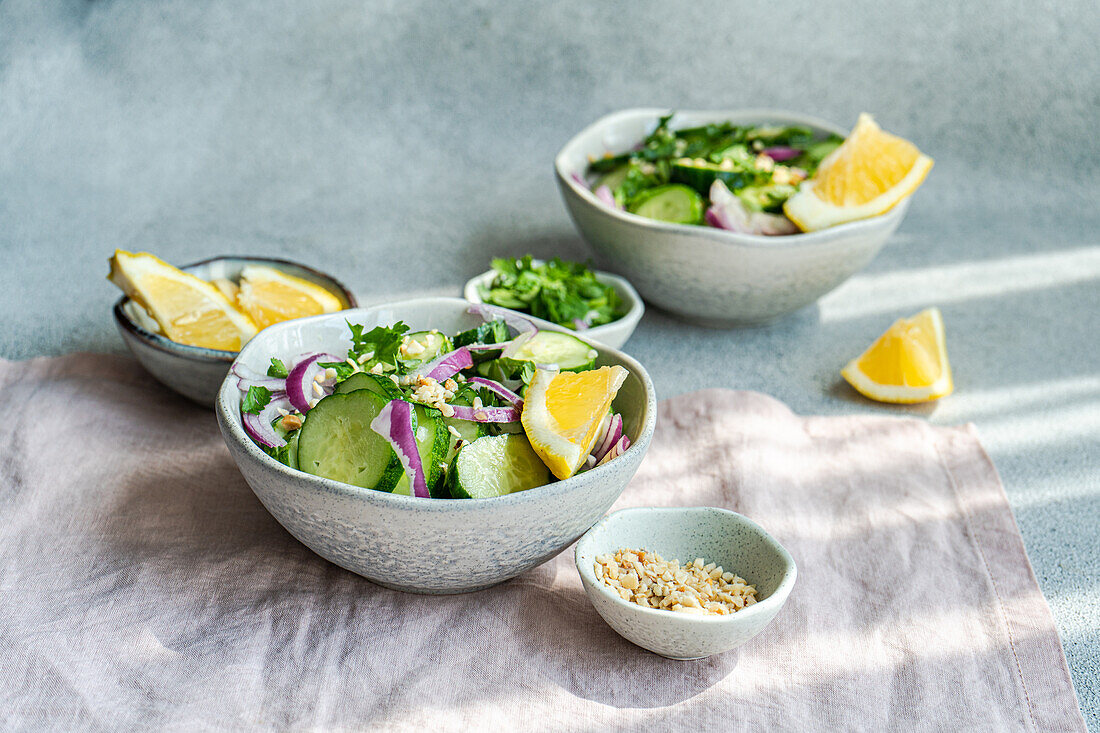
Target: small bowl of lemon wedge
(185,325)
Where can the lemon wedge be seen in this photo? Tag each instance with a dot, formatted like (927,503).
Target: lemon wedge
(270,296)
(869,174)
(906,364)
(187,309)
(563,411)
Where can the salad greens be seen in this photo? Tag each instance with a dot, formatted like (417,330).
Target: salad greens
(255,399)
(677,175)
(418,412)
(562,292)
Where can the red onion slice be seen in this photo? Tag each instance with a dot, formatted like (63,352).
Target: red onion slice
(300,381)
(489,347)
(259,426)
(447,365)
(498,389)
(248,378)
(616,450)
(487,414)
(728,212)
(780,153)
(611,436)
(395,424)
(492,312)
(604,194)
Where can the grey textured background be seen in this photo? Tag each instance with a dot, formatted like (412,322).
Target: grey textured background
(400,144)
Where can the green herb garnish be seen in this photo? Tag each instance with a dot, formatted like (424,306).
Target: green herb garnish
(381,343)
(255,399)
(697,156)
(277,369)
(565,293)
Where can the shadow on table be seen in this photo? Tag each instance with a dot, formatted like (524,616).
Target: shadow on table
(574,648)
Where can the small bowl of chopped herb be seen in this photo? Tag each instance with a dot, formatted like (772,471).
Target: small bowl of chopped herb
(599,305)
(684,582)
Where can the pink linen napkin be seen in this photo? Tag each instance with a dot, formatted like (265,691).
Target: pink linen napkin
(143,586)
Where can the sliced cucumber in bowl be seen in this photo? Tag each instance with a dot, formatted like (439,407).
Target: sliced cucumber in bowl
(336,441)
(496,465)
(568,352)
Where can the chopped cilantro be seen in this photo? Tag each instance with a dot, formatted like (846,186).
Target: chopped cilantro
(565,293)
(255,399)
(277,369)
(381,343)
(342,368)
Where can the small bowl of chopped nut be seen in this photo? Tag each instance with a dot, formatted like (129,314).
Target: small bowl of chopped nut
(684,582)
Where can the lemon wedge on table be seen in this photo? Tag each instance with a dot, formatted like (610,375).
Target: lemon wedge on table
(869,174)
(563,411)
(906,364)
(270,296)
(188,310)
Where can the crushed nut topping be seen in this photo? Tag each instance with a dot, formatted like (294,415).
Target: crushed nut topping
(649,580)
(291,422)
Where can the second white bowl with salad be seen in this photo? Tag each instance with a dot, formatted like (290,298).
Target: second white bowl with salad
(525,284)
(392,441)
(740,261)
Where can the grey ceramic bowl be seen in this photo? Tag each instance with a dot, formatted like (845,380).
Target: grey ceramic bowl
(709,275)
(727,538)
(614,334)
(428,545)
(193,371)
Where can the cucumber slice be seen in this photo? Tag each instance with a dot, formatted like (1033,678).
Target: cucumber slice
(433,343)
(468,431)
(432,441)
(494,466)
(292,450)
(700,175)
(673,203)
(381,385)
(552,347)
(337,442)
(612,180)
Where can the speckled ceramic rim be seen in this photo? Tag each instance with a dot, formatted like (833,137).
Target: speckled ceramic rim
(773,601)
(228,407)
(719,235)
(199,353)
(622,286)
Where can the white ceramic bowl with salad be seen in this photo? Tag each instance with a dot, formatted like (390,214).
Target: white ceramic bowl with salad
(713,275)
(404,493)
(614,333)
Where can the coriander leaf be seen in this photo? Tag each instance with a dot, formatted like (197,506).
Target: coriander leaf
(255,399)
(381,342)
(343,369)
(280,454)
(277,369)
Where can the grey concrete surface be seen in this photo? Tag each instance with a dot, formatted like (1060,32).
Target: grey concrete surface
(401,144)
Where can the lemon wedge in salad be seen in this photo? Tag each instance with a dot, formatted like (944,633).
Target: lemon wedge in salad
(270,296)
(188,310)
(563,411)
(869,174)
(906,364)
